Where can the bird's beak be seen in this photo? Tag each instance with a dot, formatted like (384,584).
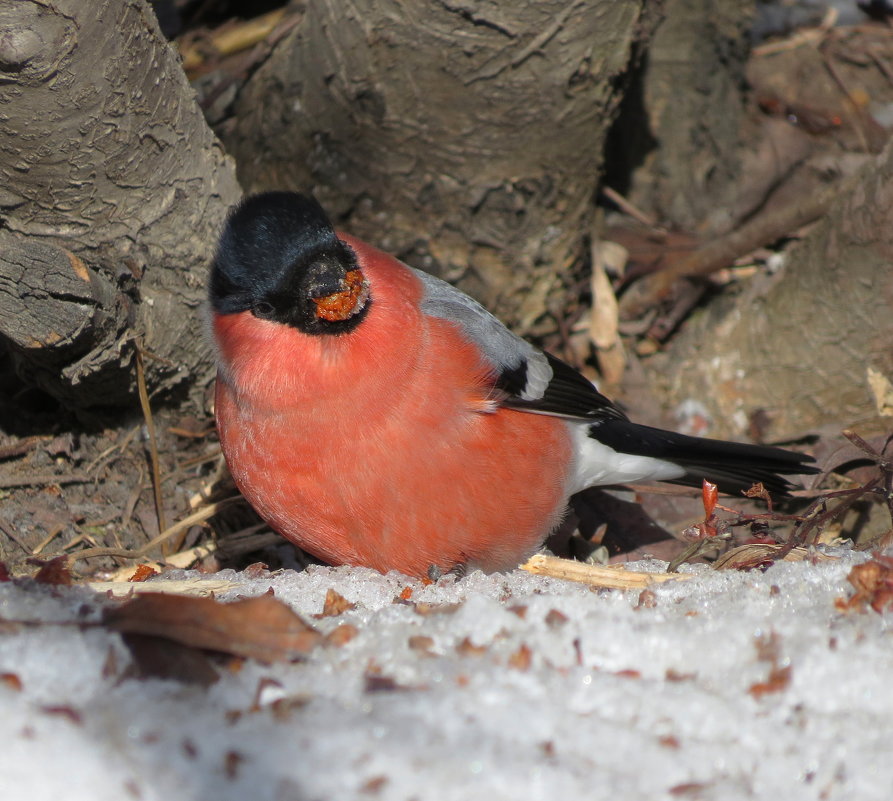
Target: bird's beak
(348,300)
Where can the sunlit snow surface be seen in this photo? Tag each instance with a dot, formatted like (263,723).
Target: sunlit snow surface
(617,699)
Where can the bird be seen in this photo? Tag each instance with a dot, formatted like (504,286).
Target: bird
(375,415)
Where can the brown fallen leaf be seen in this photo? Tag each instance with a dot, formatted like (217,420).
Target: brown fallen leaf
(521,659)
(468,648)
(873,584)
(161,658)
(341,635)
(756,555)
(52,571)
(335,604)
(556,618)
(421,644)
(11,680)
(779,678)
(379,684)
(64,711)
(261,628)
(768,648)
(143,572)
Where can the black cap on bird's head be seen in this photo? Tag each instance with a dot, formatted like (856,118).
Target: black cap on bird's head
(280,259)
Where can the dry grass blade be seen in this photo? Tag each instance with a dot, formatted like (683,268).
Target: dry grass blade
(190,520)
(153,441)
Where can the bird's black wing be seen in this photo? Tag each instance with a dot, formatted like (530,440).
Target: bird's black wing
(565,394)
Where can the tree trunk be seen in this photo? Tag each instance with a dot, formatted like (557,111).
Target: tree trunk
(113,189)
(811,346)
(676,148)
(466,138)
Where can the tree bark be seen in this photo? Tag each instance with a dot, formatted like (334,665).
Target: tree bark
(677,141)
(810,346)
(465,137)
(113,189)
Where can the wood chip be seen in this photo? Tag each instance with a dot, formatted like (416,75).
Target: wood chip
(616,578)
(191,587)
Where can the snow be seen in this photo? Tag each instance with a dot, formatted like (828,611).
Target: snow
(529,688)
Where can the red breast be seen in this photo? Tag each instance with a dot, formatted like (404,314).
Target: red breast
(380,446)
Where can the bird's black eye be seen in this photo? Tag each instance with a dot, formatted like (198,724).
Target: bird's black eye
(263,309)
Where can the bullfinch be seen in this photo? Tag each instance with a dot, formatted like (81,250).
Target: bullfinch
(375,415)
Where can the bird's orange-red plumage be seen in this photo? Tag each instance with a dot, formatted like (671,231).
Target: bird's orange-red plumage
(361,457)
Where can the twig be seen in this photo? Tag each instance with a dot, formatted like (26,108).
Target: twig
(236,544)
(858,115)
(807,36)
(9,530)
(543,38)
(112,448)
(230,39)
(201,459)
(40,479)
(628,208)
(19,448)
(880,63)
(616,578)
(150,427)
(760,231)
(56,531)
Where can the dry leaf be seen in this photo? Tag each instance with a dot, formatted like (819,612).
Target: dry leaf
(882,389)
(143,572)
(161,658)
(873,582)
(341,635)
(769,650)
(628,673)
(521,659)
(261,628)
(11,680)
(334,604)
(647,600)
(64,711)
(53,571)
(422,644)
(468,648)
(753,555)
(779,678)
(556,618)
(604,315)
(378,684)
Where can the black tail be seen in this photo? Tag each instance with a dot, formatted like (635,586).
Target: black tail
(732,466)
